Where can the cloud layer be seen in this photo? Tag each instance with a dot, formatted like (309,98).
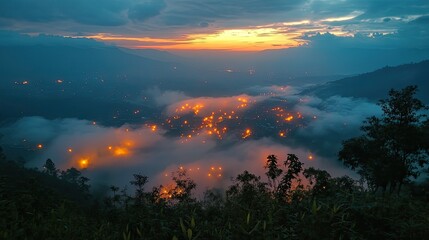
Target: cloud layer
(112,154)
(181,24)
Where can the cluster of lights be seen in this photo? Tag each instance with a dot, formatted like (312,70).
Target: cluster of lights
(215,172)
(188,107)
(283,115)
(119,151)
(213,124)
(199,123)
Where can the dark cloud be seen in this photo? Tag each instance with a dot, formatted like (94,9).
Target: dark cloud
(409,35)
(87,12)
(204,24)
(146,10)
(8,38)
(385,8)
(421,20)
(190,12)
(178,18)
(370,9)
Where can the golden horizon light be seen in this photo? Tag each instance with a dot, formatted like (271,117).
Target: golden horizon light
(240,39)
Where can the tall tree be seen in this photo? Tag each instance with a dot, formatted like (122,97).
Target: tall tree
(49,168)
(294,167)
(274,171)
(320,179)
(184,186)
(139,182)
(392,148)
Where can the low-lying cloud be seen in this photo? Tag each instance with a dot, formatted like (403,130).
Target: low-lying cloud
(113,154)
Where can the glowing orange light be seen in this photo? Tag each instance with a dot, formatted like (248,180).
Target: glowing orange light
(119,151)
(39,146)
(128,143)
(290,118)
(83,163)
(244,100)
(70,150)
(255,38)
(109,147)
(153,128)
(310,157)
(246,133)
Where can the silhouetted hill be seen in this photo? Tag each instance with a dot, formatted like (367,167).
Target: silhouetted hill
(59,61)
(154,54)
(374,85)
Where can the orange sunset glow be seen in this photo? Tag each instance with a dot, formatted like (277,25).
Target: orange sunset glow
(245,39)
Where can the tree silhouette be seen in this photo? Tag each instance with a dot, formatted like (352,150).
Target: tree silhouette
(184,186)
(393,147)
(294,167)
(273,170)
(139,182)
(248,189)
(320,179)
(49,168)
(71,175)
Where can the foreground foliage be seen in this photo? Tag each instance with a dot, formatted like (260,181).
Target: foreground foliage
(37,205)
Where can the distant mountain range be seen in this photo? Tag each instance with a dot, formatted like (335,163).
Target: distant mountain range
(45,62)
(375,85)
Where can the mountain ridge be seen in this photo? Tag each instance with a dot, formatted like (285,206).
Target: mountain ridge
(373,85)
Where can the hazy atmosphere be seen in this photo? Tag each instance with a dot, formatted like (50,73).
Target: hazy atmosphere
(118,87)
(182,81)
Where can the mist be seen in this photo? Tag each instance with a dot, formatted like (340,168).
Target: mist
(154,148)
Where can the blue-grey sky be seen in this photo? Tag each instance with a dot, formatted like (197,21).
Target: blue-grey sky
(232,24)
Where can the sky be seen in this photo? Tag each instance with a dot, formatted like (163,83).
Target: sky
(234,25)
